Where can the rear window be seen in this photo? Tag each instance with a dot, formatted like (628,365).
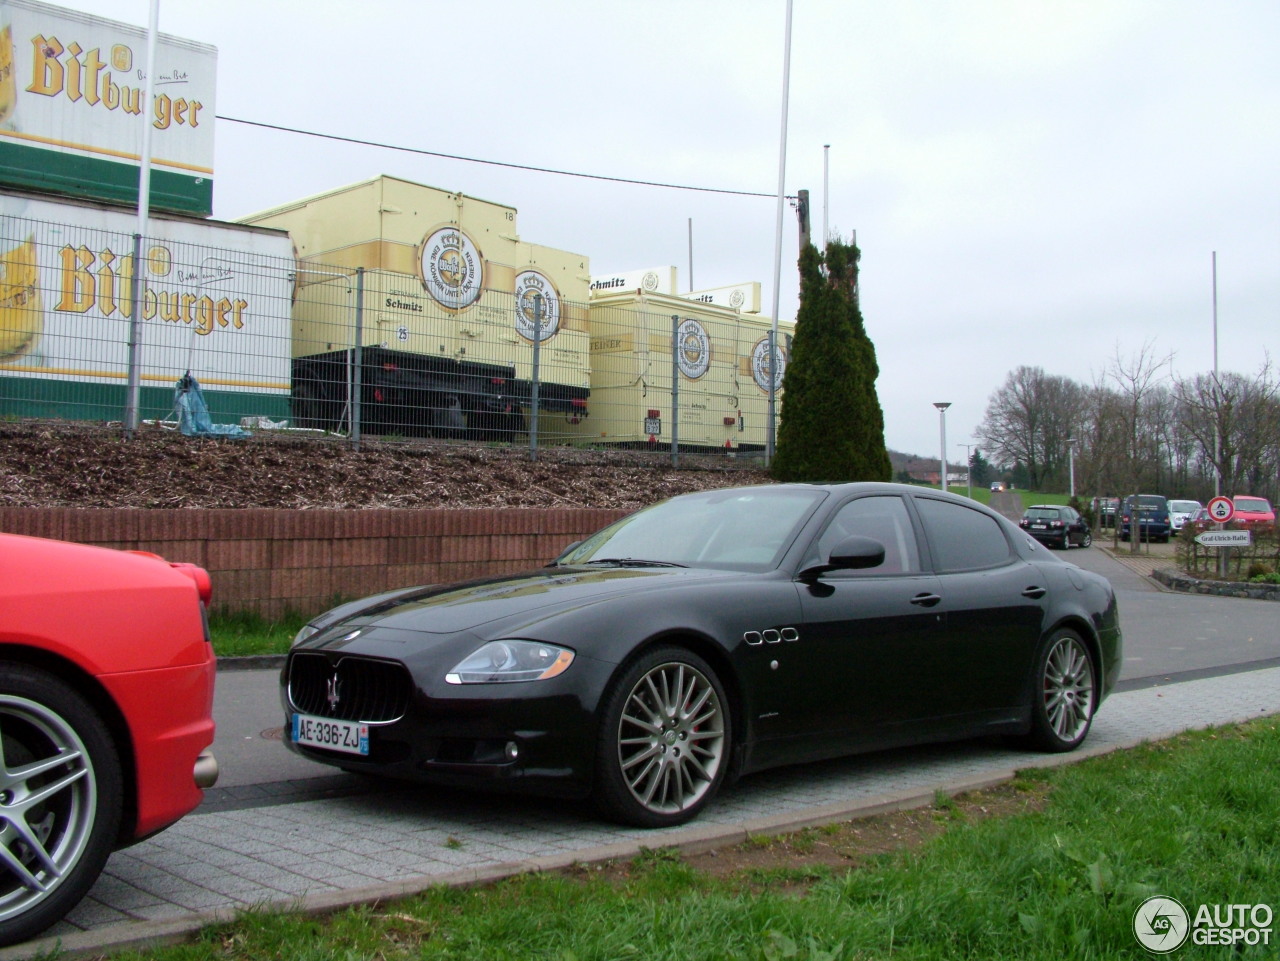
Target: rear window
(1149,502)
(1042,513)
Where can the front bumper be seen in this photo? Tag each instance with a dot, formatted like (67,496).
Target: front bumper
(170,735)
(536,736)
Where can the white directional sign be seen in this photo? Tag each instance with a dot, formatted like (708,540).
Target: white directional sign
(1221,509)
(1223,538)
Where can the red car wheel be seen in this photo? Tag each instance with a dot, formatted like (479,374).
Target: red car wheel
(60,800)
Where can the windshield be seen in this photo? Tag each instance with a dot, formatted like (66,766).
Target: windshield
(1184,507)
(1255,505)
(745,528)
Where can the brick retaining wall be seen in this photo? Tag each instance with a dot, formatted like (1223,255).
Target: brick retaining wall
(271,561)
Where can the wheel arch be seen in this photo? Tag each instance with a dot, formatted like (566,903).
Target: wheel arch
(88,687)
(1083,627)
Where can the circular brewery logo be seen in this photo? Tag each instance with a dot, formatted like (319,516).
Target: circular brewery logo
(1161,924)
(451,268)
(693,349)
(649,281)
(159,261)
(760,365)
(530,286)
(737,299)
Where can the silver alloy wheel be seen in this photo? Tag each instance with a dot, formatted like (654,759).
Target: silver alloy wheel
(48,800)
(1068,688)
(671,739)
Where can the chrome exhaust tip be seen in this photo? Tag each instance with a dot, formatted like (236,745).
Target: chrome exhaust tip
(206,770)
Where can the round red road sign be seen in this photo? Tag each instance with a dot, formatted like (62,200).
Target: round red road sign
(1221,509)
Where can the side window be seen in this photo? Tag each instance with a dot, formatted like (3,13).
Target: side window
(883,518)
(962,539)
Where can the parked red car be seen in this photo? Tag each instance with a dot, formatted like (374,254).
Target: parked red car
(106,715)
(1253,512)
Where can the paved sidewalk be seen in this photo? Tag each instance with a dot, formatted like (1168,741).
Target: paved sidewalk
(324,853)
(1149,556)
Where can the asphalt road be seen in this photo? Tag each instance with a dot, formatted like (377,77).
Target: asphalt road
(1167,637)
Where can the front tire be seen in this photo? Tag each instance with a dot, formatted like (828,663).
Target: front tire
(665,742)
(60,800)
(1087,540)
(1064,694)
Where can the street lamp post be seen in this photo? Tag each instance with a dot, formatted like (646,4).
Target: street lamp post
(968,466)
(942,422)
(1071,465)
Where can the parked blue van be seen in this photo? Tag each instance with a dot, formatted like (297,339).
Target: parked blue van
(1153,518)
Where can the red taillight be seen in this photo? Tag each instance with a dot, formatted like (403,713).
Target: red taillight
(388,365)
(579,402)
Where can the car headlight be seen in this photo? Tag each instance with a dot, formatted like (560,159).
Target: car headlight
(502,661)
(303,634)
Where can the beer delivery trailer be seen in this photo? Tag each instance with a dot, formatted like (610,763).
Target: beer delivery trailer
(434,306)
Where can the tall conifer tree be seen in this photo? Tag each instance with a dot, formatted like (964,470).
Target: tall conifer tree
(831,427)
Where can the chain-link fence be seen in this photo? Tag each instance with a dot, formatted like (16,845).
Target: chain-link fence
(325,349)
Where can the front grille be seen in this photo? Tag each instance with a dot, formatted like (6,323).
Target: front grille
(349,688)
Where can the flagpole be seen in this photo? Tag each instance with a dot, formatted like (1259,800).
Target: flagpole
(771,425)
(133,390)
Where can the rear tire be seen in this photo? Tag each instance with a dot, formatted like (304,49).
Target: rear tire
(664,743)
(60,800)
(1064,693)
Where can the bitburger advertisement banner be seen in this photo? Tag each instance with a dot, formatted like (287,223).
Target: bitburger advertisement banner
(71,92)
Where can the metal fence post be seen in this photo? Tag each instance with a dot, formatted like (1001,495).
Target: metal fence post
(675,389)
(133,382)
(533,394)
(358,355)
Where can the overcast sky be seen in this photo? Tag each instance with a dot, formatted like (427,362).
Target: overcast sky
(1037,184)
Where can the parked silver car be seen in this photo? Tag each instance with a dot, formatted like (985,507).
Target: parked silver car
(1181,511)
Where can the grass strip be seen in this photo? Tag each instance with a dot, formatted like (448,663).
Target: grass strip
(1194,818)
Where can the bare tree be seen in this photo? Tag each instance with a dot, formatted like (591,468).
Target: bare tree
(1029,419)
(1138,430)
(1235,422)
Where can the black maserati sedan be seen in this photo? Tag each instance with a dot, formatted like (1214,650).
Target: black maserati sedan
(711,636)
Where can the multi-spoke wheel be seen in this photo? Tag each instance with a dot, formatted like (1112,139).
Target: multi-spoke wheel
(60,800)
(1065,693)
(664,744)
(1087,540)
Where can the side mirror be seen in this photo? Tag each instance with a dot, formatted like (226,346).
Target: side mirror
(855,552)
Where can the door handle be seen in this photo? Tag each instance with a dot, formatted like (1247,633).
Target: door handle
(1035,593)
(926,600)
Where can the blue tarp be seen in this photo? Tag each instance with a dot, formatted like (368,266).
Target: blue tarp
(193,412)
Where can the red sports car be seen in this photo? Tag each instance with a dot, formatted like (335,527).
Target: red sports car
(106,701)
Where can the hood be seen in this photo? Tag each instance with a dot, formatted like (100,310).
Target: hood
(524,597)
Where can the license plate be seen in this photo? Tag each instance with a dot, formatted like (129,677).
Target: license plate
(1038,527)
(345,736)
